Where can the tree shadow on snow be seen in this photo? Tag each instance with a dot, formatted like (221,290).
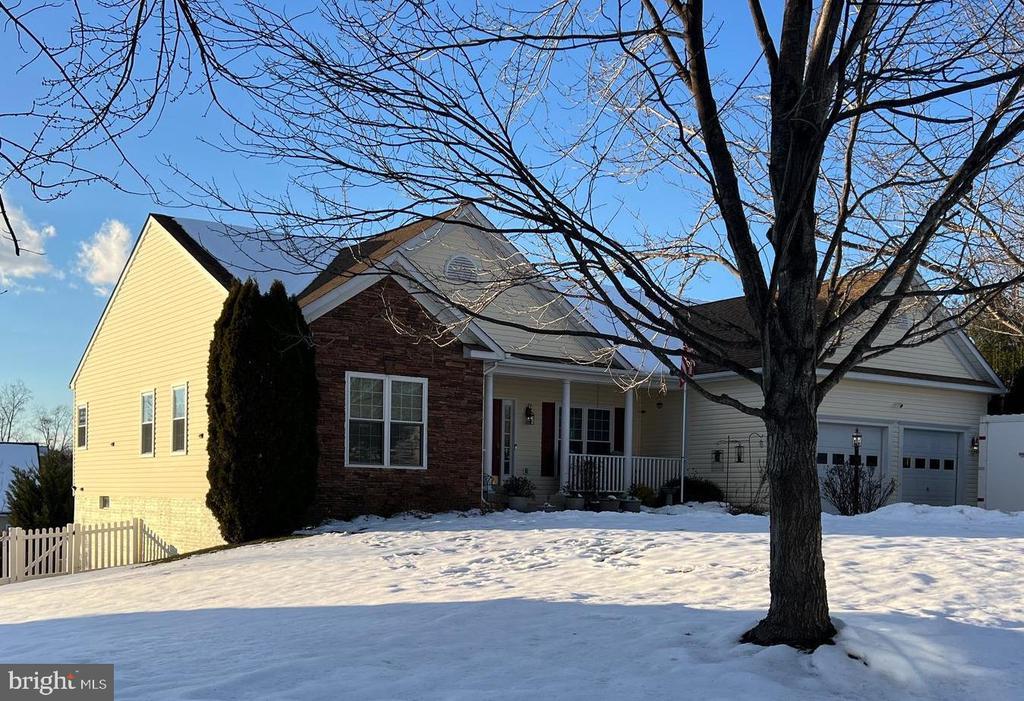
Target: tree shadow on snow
(515,649)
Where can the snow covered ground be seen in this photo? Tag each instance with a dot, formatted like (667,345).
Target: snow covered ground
(567,606)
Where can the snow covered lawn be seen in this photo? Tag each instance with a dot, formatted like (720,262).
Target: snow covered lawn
(539,606)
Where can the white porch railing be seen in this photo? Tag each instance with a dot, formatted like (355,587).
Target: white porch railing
(606,473)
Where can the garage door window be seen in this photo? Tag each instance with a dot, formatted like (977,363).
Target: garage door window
(919,463)
(949,465)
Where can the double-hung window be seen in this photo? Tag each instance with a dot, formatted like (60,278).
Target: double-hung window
(385,421)
(179,419)
(146,423)
(590,430)
(82,429)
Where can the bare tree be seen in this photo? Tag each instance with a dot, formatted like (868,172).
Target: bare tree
(15,399)
(53,427)
(860,172)
(112,69)
(856,177)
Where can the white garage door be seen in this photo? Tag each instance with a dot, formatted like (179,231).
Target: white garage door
(835,447)
(930,466)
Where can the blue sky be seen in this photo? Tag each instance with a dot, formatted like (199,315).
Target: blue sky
(55,295)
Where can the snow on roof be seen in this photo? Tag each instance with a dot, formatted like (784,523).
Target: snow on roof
(14,455)
(262,254)
(603,318)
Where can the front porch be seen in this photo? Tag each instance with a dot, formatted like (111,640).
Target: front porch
(610,439)
(616,473)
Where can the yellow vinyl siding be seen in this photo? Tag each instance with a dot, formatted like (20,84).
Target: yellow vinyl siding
(525,305)
(647,418)
(936,357)
(155,335)
(874,403)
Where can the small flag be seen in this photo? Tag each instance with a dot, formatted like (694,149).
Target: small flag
(687,364)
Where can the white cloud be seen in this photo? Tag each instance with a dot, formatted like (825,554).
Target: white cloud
(101,258)
(33,261)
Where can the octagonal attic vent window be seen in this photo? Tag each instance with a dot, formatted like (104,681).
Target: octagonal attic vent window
(460,268)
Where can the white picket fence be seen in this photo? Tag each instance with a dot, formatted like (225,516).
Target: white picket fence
(47,552)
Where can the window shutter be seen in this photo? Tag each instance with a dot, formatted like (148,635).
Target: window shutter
(547,439)
(620,428)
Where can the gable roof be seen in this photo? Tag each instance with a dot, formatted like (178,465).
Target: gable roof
(730,319)
(371,257)
(359,257)
(230,252)
(226,252)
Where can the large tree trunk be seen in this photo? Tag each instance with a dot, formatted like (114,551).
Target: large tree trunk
(798,614)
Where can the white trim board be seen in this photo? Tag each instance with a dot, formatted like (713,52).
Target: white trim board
(386,419)
(866,377)
(425,297)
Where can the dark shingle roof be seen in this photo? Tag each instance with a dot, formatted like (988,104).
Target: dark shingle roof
(231,252)
(354,259)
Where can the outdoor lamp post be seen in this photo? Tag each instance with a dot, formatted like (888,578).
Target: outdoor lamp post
(858,439)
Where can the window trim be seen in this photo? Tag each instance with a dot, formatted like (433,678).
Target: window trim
(84,445)
(142,395)
(183,451)
(387,380)
(586,408)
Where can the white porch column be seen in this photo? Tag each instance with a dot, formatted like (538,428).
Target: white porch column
(488,426)
(563,442)
(683,448)
(627,442)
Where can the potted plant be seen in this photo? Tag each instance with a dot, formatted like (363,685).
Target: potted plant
(630,503)
(574,500)
(644,494)
(609,502)
(519,491)
(669,492)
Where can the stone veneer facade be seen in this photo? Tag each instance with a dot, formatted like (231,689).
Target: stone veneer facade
(361,336)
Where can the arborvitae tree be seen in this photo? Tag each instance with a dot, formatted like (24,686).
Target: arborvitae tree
(262,399)
(41,497)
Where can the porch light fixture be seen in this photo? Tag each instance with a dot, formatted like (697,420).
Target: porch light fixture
(739,452)
(858,439)
(528,414)
(975,446)
(718,456)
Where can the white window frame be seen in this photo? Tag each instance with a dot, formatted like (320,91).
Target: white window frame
(184,450)
(586,408)
(78,425)
(152,452)
(387,380)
